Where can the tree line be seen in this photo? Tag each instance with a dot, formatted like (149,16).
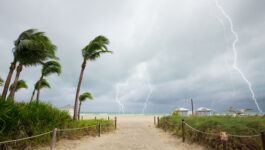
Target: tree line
(33,48)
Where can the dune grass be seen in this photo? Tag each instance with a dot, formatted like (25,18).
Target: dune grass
(242,125)
(21,120)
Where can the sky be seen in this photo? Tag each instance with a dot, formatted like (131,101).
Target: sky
(165,52)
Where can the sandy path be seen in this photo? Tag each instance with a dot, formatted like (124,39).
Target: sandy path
(135,132)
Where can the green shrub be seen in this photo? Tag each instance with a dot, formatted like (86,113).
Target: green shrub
(241,125)
(175,113)
(21,120)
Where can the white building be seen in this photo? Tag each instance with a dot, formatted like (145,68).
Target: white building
(203,111)
(69,109)
(182,111)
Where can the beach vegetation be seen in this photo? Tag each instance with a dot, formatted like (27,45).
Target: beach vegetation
(48,68)
(20,84)
(20,120)
(44,84)
(82,98)
(1,81)
(239,125)
(31,48)
(91,52)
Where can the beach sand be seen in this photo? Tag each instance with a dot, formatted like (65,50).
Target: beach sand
(134,132)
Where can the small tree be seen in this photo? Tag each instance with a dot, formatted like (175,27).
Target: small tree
(20,84)
(91,52)
(44,84)
(82,98)
(48,68)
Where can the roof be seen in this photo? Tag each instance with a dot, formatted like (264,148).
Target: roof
(203,109)
(181,109)
(67,107)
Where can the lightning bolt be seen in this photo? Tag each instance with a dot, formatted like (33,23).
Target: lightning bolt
(121,105)
(236,55)
(148,96)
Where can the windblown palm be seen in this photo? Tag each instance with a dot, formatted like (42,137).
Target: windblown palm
(82,98)
(32,48)
(20,84)
(48,68)
(1,81)
(91,52)
(44,84)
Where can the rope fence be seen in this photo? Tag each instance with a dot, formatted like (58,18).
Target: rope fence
(55,130)
(183,124)
(26,138)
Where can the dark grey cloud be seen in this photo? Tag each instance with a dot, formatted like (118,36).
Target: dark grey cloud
(183,48)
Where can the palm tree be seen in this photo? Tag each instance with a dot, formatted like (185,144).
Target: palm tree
(91,52)
(24,35)
(31,48)
(20,84)
(82,98)
(48,68)
(44,84)
(231,110)
(1,81)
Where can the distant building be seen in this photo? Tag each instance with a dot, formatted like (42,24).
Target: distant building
(203,111)
(69,109)
(182,111)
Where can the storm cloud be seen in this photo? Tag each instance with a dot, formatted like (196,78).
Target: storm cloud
(182,49)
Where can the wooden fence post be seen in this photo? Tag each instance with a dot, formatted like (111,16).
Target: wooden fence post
(224,144)
(108,117)
(263,139)
(115,122)
(99,129)
(165,125)
(154,120)
(53,138)
(95,118)
(183,131)
(158,122)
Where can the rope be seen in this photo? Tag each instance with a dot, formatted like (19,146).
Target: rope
(69,129)
(26,138)
(243,136)
(247,136)
(201,131)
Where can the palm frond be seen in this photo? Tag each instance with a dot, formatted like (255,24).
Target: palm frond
(51,67)
(1,81)
(33,47)
(95,48)
(44,84)
(20,84)
(85,96)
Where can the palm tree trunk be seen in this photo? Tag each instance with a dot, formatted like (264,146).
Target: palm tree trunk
(8,79)
(79,110)
(78,88)
(33,93)
(38,91)
(19,69)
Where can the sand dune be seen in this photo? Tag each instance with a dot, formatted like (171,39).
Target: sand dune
(135,132)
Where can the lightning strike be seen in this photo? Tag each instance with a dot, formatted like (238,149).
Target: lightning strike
(148,96)
(121,105)
(236,55)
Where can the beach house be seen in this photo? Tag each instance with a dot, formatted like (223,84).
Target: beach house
(69,109)
(203,111)
(181,111)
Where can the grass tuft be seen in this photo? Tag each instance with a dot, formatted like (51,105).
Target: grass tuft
(21,120)
(241,125)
